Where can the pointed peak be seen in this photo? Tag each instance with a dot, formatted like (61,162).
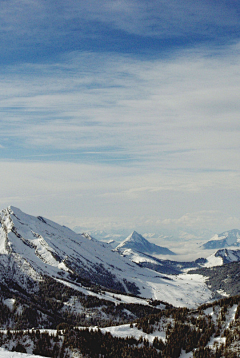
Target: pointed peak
(137,242)
(135,234)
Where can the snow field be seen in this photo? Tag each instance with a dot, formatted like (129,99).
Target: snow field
(125,330)
(6,354)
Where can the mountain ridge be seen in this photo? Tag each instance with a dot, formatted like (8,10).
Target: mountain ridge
(223,240)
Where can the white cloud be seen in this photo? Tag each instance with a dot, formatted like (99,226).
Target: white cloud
(182,113)
(172,124)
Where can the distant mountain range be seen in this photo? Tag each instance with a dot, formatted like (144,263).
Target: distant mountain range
(226,239)
(142,252)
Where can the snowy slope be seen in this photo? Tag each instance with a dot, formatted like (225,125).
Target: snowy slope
(169,267)
(6,354)
(31,247)
(138,243)
(219,319)
(222,256)
(226,239)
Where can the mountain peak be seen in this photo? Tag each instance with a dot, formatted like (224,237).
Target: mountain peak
(138,243)
(135,236)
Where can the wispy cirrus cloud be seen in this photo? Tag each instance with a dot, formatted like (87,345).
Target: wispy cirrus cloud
(174,111)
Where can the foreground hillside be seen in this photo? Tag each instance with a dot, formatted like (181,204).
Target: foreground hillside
(212,330)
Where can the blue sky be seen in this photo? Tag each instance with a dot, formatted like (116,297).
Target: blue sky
(121,114)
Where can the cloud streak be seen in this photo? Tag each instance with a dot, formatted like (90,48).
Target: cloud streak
(171,112)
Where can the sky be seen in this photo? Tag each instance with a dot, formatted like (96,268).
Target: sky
(122,115)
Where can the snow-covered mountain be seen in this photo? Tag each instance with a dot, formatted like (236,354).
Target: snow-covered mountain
(32,248)
(226,239)
(138,243)
(221,257)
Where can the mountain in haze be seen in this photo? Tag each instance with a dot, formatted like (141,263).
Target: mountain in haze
(138,243)
(226,239)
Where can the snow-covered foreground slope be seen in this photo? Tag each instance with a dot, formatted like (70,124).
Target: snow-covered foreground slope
(124,331)
(223,319)
(31,247)
(6,354)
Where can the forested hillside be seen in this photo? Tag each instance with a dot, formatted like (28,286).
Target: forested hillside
(211,331)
